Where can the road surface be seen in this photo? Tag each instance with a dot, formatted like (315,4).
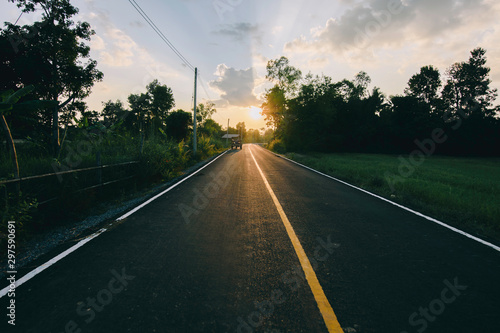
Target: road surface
(215,254)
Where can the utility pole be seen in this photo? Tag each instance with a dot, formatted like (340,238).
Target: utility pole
(227,133)
(194,120)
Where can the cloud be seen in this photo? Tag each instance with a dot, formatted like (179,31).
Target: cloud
(121,51)
(240,31)
(379,24)
(137,24)
(235,86)
(97,43)
(277,30)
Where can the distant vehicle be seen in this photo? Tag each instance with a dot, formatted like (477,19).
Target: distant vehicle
(236,142)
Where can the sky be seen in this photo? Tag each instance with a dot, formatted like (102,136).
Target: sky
(231,41)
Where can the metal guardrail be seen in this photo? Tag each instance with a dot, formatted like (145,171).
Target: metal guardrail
(99,182)
(20,179)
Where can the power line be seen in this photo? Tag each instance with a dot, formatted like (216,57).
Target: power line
(203,86)
(18,18)
(162,36)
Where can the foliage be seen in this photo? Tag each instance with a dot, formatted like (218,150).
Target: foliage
(178,125)
(277,145)
(253,135)
(467,88)
(345,116)
(424,85)
(46,75)
(206,147)
(157,160)
(283,75)
(274,107)
(50,55)
(211,128)
(204,112)
(7,101)
(20,209)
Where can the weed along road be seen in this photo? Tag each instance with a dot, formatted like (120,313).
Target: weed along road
(255,243)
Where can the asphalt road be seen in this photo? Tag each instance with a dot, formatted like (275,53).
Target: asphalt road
(213,255)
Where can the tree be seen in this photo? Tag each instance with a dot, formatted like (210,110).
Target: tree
(7,101)
(253,135)
(50,55)
(178,123)
(285,79)
(204,111)
(161,101)
(241,128)
(268,135)
(273,109)
(150,110)
(282,74)
(411,118)
(425,85)
(211,128)
(467,90)
(139,107)
(113,112)
(361,82)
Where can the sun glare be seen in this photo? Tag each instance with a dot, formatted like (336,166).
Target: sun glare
(254,113)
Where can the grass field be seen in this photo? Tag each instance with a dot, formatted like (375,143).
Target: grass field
(463,192)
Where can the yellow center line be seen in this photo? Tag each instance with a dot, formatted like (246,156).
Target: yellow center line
(324,306)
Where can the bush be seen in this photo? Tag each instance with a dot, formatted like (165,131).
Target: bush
(160,159)
(20,209)
(205,148)
(278,146)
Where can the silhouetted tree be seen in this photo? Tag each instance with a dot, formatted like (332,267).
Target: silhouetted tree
(204,111)
(467,88)
(161,101)
(425,85)
(113,112)
(178,123)
(283,75)
(50,54)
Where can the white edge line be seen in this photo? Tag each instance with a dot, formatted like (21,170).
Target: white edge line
(60,256)
(477,239)
(52,261)
(168,189)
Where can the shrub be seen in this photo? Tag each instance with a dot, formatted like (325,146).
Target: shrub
(158,160)
(20,209)
(205,147)
(278,146)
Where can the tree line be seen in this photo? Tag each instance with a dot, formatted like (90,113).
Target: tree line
(315,113)
(46,69)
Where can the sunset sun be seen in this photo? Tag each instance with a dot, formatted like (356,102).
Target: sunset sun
(254,113)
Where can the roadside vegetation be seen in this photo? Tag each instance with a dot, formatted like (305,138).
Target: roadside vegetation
(48,128)
(434,148)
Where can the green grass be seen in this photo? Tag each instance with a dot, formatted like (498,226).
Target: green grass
(463,192)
